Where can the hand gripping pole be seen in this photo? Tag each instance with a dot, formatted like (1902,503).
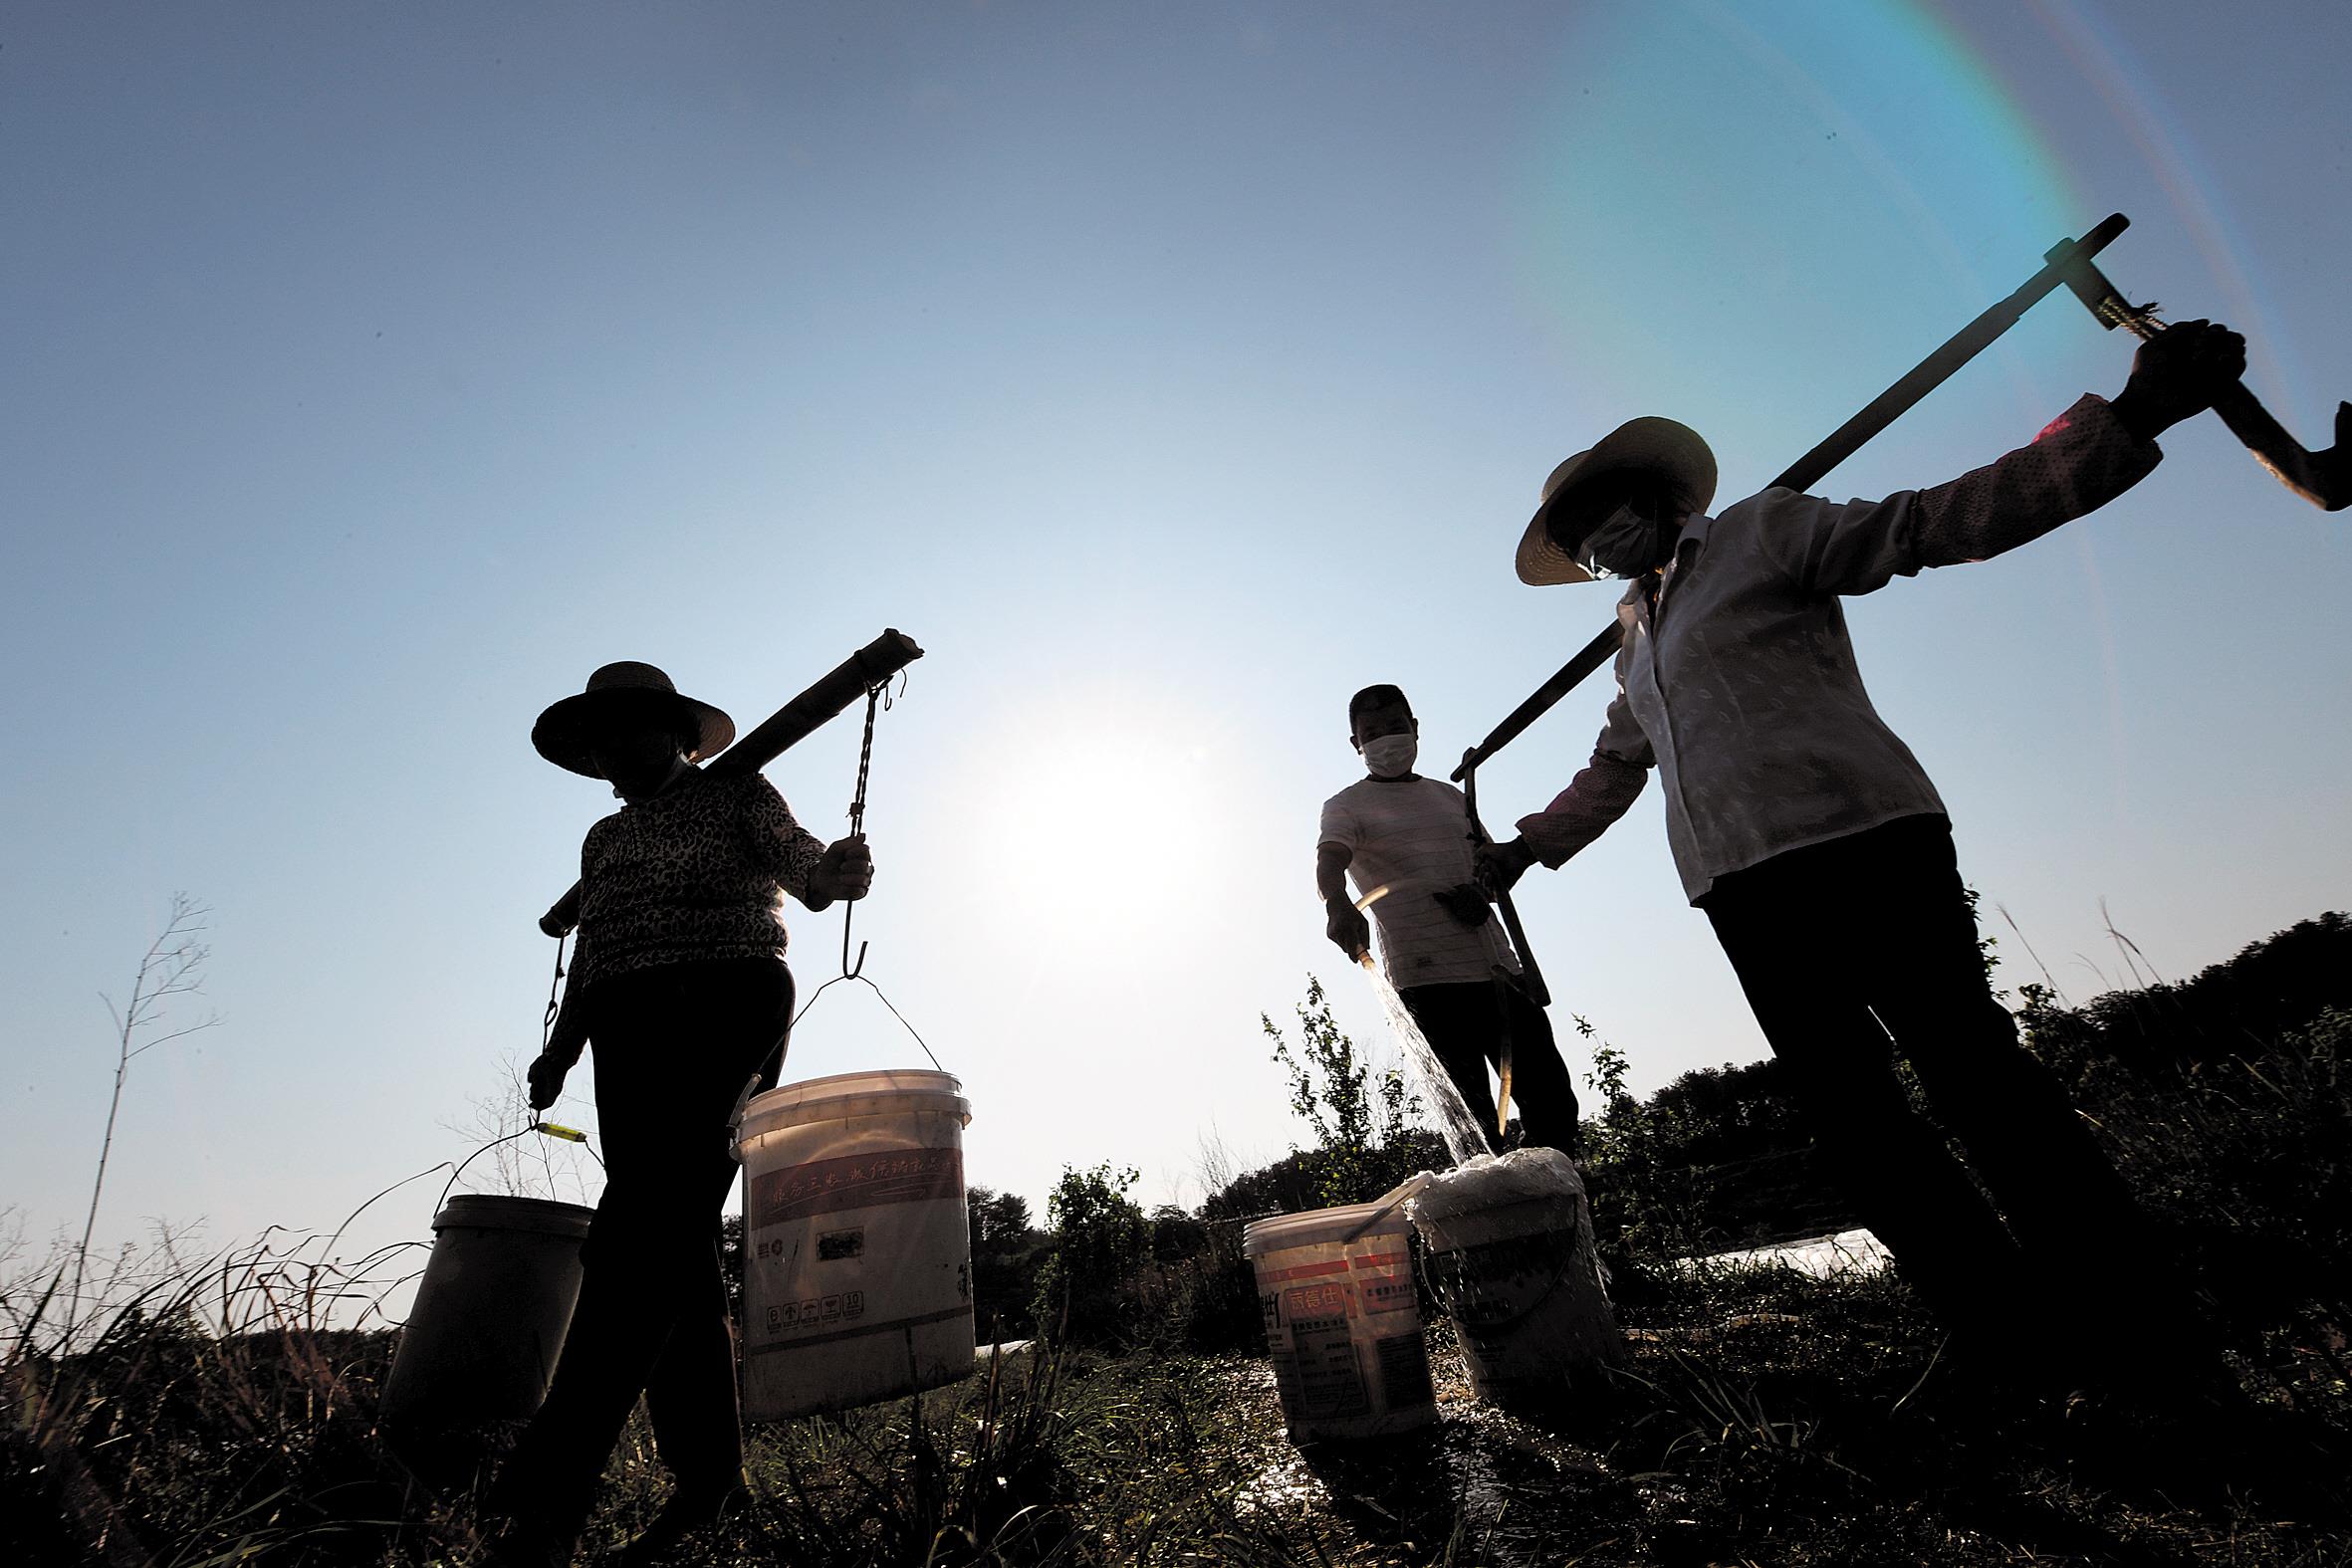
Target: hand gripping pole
(2323,478)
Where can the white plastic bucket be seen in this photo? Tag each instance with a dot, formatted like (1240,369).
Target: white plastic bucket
(1341,1325)
(857,1262)
(1507,1246)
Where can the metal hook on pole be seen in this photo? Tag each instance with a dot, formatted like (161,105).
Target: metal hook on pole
(874,694)
(877,696)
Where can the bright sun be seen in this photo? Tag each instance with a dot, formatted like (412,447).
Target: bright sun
(1109,830)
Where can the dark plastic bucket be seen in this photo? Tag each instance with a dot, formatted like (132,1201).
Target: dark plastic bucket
(481,1341)
(1510,1256)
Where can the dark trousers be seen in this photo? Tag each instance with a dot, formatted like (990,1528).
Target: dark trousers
(1840,946)
(673,1048)
(1465,1025)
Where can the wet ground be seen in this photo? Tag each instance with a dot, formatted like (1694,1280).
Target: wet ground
(1820,1256)
(1500,1488)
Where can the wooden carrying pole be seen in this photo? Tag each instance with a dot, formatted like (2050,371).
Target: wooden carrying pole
(1841,443)
(787,727)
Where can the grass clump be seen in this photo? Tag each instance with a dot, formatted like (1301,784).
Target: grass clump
(209,1416)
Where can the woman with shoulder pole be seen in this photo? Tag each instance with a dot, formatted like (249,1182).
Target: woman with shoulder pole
(679,984)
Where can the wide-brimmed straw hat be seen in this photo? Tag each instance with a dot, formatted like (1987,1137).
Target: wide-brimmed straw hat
(1661,447)
(622,695)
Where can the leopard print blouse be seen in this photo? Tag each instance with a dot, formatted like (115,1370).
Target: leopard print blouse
(694,873)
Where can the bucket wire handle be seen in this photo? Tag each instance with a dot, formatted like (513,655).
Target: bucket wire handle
(532,1122)
(534,1125)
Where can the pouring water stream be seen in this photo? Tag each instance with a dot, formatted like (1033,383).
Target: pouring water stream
(1457,1124)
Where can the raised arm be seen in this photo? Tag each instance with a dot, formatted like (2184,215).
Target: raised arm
(2083,459)
(1609,782)
(2088,456)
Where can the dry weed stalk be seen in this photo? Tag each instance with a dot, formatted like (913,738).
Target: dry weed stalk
(174,966)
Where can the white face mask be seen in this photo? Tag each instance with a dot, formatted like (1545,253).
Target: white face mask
(1625,544)
(1391,756)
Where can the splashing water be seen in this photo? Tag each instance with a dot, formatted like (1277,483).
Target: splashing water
(1465,1136)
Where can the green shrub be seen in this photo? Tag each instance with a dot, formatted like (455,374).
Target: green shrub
(1008,1255)
(1203,1301)
(1363,1126)
(1098,1239)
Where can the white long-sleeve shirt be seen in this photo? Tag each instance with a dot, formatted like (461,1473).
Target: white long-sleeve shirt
(1738,685)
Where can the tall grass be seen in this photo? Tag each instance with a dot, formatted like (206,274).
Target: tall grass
(206,1412)
(215,1413)
(221,1410)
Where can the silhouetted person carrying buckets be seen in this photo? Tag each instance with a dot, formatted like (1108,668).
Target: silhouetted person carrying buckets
(1815,843)
(679,983)
(1405,840)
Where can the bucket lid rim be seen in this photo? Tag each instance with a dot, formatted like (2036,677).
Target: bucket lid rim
(788,1103)
(829,1088)
(1538,1177)
(513,1211)
(1296,1228)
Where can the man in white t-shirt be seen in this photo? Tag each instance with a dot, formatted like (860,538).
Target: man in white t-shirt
(1443,950)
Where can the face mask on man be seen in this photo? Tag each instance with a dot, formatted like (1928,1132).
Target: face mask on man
(1391,756)
(1625,544)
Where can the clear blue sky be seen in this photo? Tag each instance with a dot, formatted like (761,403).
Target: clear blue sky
(374,371)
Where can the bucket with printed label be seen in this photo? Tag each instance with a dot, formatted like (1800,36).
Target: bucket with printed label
(1336,1288)
(1508,1249)
(857,1261)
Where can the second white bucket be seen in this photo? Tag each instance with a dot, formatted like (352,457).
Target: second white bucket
(1509,1243)
(857,1261)
(1341,1325)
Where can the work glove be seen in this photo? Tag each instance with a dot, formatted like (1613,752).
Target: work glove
(545,1074)
(565,1041)
(1348,930)
(1467,903)
(2178,373)
(1498,866)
